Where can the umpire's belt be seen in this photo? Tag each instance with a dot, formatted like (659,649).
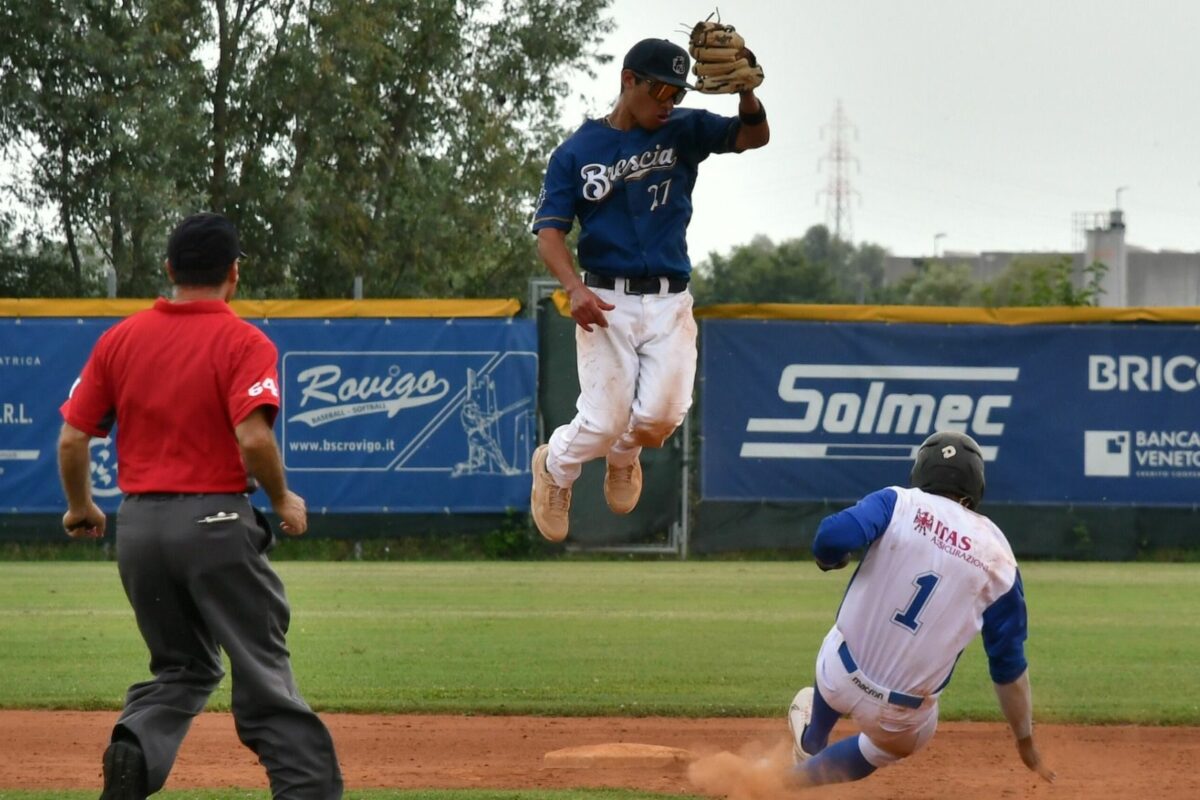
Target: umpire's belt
(870,687)
(658,285)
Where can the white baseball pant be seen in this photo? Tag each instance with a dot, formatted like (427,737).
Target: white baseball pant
(890,732)
(635,381)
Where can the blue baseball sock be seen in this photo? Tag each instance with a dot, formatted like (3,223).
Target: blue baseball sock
(815,736)
(839,763)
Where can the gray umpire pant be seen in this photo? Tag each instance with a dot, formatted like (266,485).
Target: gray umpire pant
(197,588)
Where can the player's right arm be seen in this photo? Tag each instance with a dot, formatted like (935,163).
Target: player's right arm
(83,517)
(852,529)
(88,412)
(552,222)
(587,308)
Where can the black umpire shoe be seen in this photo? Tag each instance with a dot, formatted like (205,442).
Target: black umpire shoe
(124,772)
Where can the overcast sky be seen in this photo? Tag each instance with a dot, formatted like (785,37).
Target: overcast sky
(993,123)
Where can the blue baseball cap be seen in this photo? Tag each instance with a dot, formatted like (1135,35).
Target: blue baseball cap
(660,60)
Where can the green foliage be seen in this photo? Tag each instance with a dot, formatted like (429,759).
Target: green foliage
(399,140)
(940,283)
(1044,281)
(554,637)
(1033,280)
(817,268)
(38,267)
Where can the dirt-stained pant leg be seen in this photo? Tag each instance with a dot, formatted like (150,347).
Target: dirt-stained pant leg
(890,733)
(635,382)
(235,599)
(607,362)
(666,376)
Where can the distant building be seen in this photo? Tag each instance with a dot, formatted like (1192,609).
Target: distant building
(1135,276)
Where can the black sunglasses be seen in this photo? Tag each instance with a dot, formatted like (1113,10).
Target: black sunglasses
(662,92)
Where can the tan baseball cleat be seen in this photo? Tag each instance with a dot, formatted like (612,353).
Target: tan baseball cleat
(549,503)
(623,487)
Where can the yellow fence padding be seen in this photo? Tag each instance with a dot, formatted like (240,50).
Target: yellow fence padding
(1041,315)
(273,309)
(944,315)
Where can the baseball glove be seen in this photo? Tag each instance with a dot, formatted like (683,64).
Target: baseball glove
(723,62)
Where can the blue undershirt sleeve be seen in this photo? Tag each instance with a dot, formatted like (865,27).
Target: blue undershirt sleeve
(1005,627)
(854,528)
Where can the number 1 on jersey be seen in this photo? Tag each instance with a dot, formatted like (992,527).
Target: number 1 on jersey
(925,584)
(654,189)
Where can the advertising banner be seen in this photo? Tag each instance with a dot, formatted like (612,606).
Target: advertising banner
(1089,414)
(418,415)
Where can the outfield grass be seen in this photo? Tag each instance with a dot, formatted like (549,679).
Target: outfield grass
(1109,643)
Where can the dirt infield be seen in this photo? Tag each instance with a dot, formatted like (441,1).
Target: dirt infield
(61,750)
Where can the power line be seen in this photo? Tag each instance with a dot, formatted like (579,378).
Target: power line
(838,191)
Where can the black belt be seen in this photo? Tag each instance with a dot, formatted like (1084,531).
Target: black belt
(636,285)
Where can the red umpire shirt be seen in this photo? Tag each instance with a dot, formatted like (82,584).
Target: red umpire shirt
(175,434)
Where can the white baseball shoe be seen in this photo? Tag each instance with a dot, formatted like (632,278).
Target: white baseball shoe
(798,717)
(549,503)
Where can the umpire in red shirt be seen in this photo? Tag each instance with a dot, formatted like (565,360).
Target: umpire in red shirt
(193,391)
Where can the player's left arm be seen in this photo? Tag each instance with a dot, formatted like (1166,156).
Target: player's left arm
(1016,701)
(754,131)
(1005,628)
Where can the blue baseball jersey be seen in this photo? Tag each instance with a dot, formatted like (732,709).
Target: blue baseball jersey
(934,575)
(632,191)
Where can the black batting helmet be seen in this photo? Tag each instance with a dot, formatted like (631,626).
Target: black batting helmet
(950,463)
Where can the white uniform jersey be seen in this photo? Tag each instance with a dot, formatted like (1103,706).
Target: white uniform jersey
(920,593)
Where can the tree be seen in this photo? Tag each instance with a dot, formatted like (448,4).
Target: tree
(400,140)
(84,90)
(1044,281)
(39,268)
(816,268)
(939,283)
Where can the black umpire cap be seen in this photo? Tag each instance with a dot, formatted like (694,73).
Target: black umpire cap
(203,246)
(660,60)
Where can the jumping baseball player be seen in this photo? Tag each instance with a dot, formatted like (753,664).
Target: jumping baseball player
(193,392)
(628,177)
(934,574)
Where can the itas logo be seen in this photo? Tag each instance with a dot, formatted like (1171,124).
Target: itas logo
(874,408)
(1106,454)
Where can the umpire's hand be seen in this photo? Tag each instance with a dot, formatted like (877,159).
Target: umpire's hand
(293,514)
(84,523)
